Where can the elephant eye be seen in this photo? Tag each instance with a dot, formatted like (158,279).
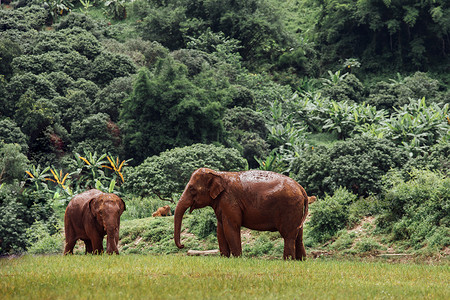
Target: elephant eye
(192,190)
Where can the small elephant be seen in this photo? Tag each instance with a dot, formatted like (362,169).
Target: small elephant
(312,199)
(89,217)
(258,200)
(162,211)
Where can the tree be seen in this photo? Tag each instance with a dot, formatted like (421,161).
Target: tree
(404,35)
(11,133)
(8,50)
(169,172)
(96,133)
(166,110)
(255,23)
(13,163)
(356,164)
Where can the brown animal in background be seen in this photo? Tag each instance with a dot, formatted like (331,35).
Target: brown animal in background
(258,200)
(162,211)
(311,199)
(89,217)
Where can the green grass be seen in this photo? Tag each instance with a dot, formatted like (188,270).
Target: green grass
(182,277)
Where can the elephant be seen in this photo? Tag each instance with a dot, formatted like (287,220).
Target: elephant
(162,211)
(312,199)
(89,217)
(258,200)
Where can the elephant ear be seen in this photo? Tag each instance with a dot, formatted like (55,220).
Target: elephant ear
(215,186)
(95,206)
(123,203)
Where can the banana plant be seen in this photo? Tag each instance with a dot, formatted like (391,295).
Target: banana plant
(273,162)
(39,177)
(89,168)
(417,126)
(116,166)
(334,78)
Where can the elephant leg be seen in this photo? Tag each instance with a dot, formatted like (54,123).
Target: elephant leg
(70,244)
(300,252)
(223,244)
(233,237)
(289,248)
(88,246)
(97,244)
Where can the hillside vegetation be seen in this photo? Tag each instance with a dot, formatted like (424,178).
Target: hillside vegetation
(349,98)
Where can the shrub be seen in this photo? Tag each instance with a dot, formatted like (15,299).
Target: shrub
(23,18)
(348,88)
(41,241)
(367,244)
(202,223)
(20,208)
(396,93)
(417,210)
(79,20)
(168,109)
(12,223)
(344,241)
(329,215)
(169,172)
(109,99)
(8,50)
(262,246)
(437,158)
(357,164)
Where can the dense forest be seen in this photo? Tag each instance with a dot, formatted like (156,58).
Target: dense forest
(349,98)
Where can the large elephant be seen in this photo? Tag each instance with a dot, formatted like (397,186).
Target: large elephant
(258,200)
(89,217)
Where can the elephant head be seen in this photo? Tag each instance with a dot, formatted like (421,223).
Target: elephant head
(107,209)
(204,186)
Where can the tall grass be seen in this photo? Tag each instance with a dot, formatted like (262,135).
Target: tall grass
(181,277)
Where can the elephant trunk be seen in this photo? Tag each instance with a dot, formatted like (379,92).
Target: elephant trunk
(112,241)
(181,208)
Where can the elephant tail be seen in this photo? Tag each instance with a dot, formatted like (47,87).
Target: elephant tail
(305,207)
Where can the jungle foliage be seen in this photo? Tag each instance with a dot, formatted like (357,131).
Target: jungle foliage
(334,93)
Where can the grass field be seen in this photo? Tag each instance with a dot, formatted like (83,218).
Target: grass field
(183,277)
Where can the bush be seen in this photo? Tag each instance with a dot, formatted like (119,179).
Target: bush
(169,172)
(348,89)
(12,224)
(417,210)
(329,215)
(344,241)
(437,158)
(109,99)
(202,223)
(396,93)
(262,246)
(41,241)
(357,164)
(23,18)
(367,244)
